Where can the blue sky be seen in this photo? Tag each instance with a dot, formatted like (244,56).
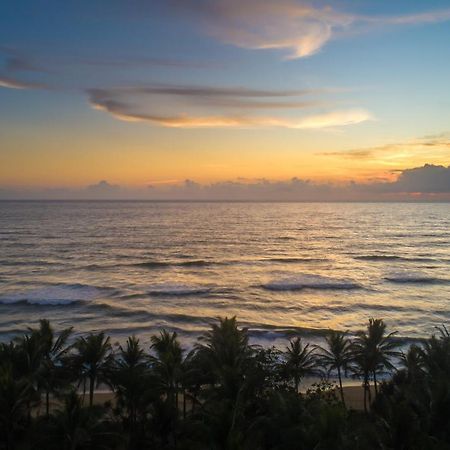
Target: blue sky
(162,91)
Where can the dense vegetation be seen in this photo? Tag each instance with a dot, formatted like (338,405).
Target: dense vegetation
(224,394)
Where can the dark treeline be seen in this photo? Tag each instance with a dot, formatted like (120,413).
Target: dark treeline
(224,394)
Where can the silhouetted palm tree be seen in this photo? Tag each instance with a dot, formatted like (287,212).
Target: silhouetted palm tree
(54,350)
(93,360)
(300,360)
(130,376)
(78,427)
(167,360)
(336,355)
(373,352)
(29,363)
(15,396)
(225,352)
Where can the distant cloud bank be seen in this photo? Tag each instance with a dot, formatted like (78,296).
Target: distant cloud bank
(426,183)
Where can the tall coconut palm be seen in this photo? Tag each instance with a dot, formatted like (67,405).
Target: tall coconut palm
(299,360)
(29,360)
(54,349)
(93,360)
(373,351)
(128,377)
(225,352)
(336,355)
(167,359)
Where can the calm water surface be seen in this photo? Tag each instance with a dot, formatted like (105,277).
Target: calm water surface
(134,267)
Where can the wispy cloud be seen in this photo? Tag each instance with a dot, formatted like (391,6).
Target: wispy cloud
(212,107)
(298,27)
(432,148)
(11,83)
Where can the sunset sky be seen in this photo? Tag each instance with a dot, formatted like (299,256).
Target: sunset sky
(140,96)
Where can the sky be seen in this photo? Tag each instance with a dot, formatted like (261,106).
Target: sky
(225,99)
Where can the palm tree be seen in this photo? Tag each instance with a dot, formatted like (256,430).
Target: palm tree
(412,363)
(93,360)
(300,360)
(15,395)
(29,359)
(224,356)
(225,353)
(372,352)
(78,427)
(128,377)
(54,350)
(337,355)
(167,361)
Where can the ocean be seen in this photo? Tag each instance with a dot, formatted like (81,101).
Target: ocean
(281,268)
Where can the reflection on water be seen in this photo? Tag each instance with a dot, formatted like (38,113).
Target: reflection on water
(131,267)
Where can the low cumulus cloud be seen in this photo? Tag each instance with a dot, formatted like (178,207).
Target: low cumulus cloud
(299,28)
(429,182)
(212,107)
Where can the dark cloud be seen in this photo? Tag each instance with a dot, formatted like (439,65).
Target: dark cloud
(428,179)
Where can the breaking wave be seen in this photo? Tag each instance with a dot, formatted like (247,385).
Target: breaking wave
(175,289)
(61,294)
(306,281)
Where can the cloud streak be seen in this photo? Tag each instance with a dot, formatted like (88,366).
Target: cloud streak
(11,83)
(428,147)
(220,107)
(297,27)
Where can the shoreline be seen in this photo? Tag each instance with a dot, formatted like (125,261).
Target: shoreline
(353,395)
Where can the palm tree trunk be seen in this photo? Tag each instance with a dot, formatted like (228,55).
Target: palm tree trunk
(47,403)
(340,385)
(365,393)
(375,383)
(91,390)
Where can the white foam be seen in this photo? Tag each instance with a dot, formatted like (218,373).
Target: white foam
(177,289)
(307,281)
(52,295)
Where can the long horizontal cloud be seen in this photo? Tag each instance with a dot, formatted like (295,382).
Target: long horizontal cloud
(211,107)
(298,27)
(12,83)
(429,182)
(432,148)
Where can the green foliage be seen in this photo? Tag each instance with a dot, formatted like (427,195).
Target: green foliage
(223,394)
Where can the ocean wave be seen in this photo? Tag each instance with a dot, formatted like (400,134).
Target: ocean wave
(413,277)
(294,260)
(393,258)
(306,281)
(160,264)
(62,294)
(175,289)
